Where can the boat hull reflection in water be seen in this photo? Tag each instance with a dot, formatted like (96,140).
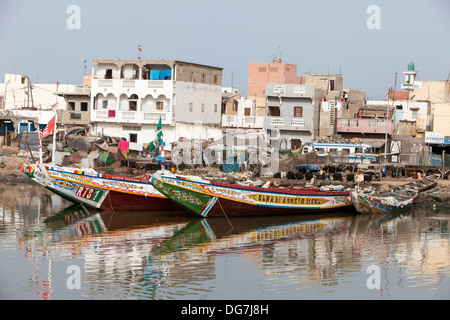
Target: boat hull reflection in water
(50,250)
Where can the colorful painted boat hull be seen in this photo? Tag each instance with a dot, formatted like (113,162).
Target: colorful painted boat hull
(367,202)
(105,192)
(206,199)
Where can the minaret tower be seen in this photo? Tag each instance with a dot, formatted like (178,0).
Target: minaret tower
(410,77)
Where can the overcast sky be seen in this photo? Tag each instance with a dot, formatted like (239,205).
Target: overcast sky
(49,43)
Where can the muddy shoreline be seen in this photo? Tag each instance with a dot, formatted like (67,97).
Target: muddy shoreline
(10,169)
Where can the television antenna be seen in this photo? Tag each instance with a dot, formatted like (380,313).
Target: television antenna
(139,51)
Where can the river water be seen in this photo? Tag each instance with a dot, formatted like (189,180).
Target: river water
(50,249)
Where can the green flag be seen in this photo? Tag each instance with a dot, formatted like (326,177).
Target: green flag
(158,140)
(160,134)
(159,126)
(152,147)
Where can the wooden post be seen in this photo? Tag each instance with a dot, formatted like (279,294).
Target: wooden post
(29,149)
(381,172)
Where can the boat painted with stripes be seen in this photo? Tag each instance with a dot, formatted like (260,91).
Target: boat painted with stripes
(369,201)
(99,191)
(206,198)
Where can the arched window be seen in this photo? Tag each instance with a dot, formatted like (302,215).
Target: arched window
(133,102)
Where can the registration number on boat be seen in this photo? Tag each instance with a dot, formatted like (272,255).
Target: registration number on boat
(89,193)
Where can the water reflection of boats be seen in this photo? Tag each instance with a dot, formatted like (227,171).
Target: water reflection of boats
(121,240)
(68,224)
(78,222)
(363,222)
(218,234)
(72,215)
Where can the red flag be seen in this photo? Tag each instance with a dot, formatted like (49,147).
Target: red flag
(49,129)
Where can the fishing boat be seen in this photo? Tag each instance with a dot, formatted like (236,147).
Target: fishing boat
(99,191)
(207,198)
(96,190)
(369,201)
(420,185)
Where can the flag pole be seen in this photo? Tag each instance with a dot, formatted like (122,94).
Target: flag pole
(56,120)
(40,146)
(54,138)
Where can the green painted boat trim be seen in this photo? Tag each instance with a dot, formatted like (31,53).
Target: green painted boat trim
(194,202)
(62,195)
(190,236)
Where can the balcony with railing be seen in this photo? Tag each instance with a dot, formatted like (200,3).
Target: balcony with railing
(287,123)
(143,117)
(235,121)
(364,126)
(135,84)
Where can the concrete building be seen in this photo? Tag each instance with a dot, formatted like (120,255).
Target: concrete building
(240,113)
(260,74)
(437,94)
(411,111)
(434,91)
(78,111)
(23,102)
(128,97)
(333,101)
(328,95)
(290,109)
(329,83)
(441,118)
(18,92)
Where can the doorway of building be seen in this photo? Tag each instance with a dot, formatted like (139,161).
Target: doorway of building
(296,144)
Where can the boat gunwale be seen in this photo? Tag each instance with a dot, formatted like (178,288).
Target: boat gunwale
(101,175)
(104,177)
(289,191)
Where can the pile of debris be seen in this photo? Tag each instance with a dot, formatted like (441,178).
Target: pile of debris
(100,152)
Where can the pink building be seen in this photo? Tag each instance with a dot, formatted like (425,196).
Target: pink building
(259,74)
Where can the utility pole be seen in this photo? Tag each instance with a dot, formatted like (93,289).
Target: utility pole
(387,116)
(232,91)
(31,92)
(139,52)
(4,97)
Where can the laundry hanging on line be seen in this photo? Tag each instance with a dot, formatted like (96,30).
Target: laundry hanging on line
(160,74)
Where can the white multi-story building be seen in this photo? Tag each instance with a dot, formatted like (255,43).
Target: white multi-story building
(17,92)
(406,110)
(128,97)
(26,102)
(242,115)
(289,114)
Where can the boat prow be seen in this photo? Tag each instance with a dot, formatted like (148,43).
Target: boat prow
(401,197)
(99,191)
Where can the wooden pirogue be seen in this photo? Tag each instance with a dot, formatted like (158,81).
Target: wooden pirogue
(209,198)
(368,201)
(100,191)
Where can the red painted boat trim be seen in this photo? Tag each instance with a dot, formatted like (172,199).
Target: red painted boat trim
(300,191)
(224,207)
(120,201)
